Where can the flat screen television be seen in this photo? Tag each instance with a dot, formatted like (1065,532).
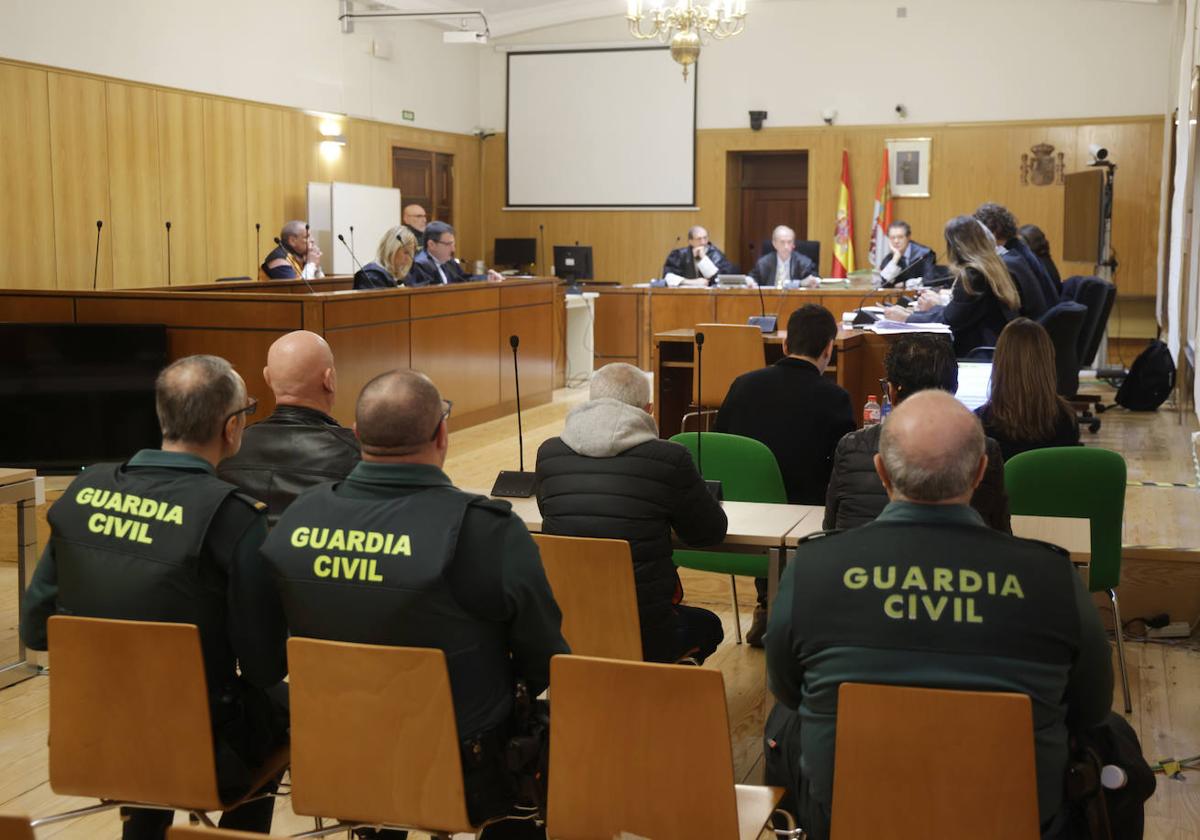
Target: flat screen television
(78,394)
(573,262)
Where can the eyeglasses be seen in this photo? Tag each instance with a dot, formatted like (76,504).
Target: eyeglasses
(248,410)
(445,416)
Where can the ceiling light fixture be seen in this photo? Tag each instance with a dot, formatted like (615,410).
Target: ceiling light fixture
(685,25)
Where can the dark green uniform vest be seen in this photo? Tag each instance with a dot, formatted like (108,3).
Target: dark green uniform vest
(983,611)
(372,571)
(128,545)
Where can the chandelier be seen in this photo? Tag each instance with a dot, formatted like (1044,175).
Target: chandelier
(685,24)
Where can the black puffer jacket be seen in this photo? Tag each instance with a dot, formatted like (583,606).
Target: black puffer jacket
(610,476)
(856,495)
(293,449)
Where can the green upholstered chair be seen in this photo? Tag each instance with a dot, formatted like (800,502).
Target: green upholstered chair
(1085,483)
(748,472)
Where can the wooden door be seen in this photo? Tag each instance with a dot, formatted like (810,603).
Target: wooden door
(425,178)
(773,191)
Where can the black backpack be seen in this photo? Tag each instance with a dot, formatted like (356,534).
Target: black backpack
(1150,379)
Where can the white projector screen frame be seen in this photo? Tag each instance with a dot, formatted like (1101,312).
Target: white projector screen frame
(567,118)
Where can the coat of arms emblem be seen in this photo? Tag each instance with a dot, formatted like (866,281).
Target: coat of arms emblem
(1043,167)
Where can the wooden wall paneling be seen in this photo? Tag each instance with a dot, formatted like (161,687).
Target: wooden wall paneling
(225,186)
(366,163)
(617,327)
(461,354)
(264,180)
(454,299)
(184,193)
(246,350)
(238,313)
(30,309)
(79,157)
(299,165)
(26,183)
(535,326)
(138,229)
(362,353)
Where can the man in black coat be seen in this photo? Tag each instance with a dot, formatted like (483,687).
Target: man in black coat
(700,260)
(1033,283)
(798,413)
(611,476)
(856,495)
(784,264)
(300,445)
(435,265)
(905,259)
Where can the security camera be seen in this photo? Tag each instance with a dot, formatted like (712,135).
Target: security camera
(829,115)
(901,111)
(1098,152)
(756,120)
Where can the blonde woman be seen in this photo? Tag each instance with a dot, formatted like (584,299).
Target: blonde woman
(393,260)
(984,297)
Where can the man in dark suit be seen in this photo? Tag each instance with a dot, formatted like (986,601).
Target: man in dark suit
(700,260)
(905,259)
(798,413)
(785,263)
(1037,290)
(435,265)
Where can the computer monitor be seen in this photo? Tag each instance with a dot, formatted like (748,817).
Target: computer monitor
(573,262)
(515,253)
(974,383)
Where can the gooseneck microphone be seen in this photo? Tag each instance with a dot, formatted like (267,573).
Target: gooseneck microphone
(349,248)
(257,239)
(713,487)
(168,224)
(96,266)
(516,485)
(542,246)
(352,238)
(766,323)
(862,319)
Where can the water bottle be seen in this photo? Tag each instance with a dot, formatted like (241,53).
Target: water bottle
(871,412)
(885,409)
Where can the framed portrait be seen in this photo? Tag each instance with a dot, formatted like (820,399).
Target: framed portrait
(908,161)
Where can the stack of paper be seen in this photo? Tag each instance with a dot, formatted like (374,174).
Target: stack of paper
(883,326)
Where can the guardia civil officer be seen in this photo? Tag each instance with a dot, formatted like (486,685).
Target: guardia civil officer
(928,595)
(161,538)
(396,555)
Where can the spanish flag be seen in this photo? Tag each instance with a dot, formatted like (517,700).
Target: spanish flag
(843,232)
(881,217)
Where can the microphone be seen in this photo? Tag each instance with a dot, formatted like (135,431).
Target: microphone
(542,245)
(257,238)
(713,487)
(96,267)
(766,323)
(861,319)
(908,268)
(351,239)
(342,239)
(302,277)
(516,485)
(168,253)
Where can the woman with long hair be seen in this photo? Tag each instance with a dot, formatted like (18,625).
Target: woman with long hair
(393,260)
(1037,242)
(1024,410)
(984,297)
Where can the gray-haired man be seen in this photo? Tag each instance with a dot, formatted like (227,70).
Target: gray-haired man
(161,538)
(928,595)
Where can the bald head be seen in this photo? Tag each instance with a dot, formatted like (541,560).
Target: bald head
(399,417)
(300,371)
(931,450)
(414,216)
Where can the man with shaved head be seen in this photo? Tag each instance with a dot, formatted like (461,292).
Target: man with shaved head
(161,538)
(396,555)
(300,444)
(414,217)
(928,595)
(295,255)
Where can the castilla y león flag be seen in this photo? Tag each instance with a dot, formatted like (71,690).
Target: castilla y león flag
(843,232)
(881,217)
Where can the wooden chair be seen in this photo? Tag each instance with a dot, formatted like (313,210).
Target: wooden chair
(915,763)
(593,583)
(129,721)
(13,827)
(374,738)
(729,351)
(644,748)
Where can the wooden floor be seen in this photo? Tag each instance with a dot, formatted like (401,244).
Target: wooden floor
(1165,679)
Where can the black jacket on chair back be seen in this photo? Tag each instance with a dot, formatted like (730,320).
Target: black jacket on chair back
(292,450)
(610,476)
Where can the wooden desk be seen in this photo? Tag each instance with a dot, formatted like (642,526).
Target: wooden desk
(857,366)
(458,334)
(1071,533)
(19,487)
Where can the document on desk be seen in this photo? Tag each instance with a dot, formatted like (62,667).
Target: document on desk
(886,327)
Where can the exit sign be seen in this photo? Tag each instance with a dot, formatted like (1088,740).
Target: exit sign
(408,115)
